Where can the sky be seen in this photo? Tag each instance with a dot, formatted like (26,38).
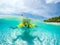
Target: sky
(42,8)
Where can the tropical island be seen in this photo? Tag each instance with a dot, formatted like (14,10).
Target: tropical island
(53,19)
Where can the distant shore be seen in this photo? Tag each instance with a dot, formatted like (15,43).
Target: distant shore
(53,19)
(54,23)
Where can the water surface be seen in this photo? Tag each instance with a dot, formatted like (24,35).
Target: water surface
(49,34)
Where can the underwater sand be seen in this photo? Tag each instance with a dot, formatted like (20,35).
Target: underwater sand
(49,34)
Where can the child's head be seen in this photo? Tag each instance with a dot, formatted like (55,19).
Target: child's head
(26,22)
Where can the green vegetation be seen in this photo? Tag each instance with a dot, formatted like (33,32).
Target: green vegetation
(53,19)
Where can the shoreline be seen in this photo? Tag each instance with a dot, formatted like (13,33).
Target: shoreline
(54,23)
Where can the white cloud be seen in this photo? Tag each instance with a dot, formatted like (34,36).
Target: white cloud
(36,7)
(10,6)
(52,1)
(18,6)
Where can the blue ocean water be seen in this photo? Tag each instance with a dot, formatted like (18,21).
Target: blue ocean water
(48,34)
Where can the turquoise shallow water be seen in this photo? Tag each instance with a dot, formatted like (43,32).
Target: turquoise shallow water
(48,34)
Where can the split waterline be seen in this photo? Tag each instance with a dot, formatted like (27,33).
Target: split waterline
(48,33)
